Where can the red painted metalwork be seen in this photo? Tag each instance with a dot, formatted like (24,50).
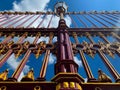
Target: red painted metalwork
(8,38)
(2,17)
(41,21)
(16,21)
(110,18)
(74,23)
(32,22)
(98,20)
(20,67)
(22,38)
(102,36)
(3,60)
(50,21)
(85,25)
(10,17)
(109,65)
(9,21)
(7,55)
(65,50)
(20,25)
(106,61)
(84,61)
(106,20)
(90,21)
(65,68)
(37,38)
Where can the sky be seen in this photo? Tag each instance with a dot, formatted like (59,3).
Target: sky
(48,5)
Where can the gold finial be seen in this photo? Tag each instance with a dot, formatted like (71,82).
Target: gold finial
(78,86)
(3,88)
(18,53)
(3,75)
(37,88)
(72,85)
(65,84)
(103,77)
(29,76)
(58,87)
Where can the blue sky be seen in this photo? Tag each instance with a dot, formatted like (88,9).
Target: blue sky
(77,5)
(74,5)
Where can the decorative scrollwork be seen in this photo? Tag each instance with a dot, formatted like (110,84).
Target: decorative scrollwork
(98,88)
(37,88)
(3,88)
(88,49)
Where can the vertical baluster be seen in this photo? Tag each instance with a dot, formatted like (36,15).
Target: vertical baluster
(75,37)
(110,15)
(20,67)
(46,59)
(2,16)
(1,34)
(20,25)
(98,20)
(116,15)
(4,59)
(89,37)
(115,35)
(89,21)
(85,25)
(110,18)
(50,21)
(41,21)
(106,61)
(109,66)
(102,36)
(84,61)
(74,23)
(8,38)
(105,20)
(10,20)
(17,21)
(32,22)
(7,19)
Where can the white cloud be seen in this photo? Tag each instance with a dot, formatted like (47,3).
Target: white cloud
(21,76)
(54,39)
(78,61)
(85,80)
(13,63)
(52,59)
(31,5)
(39,5)
(46,39)
(30,39)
